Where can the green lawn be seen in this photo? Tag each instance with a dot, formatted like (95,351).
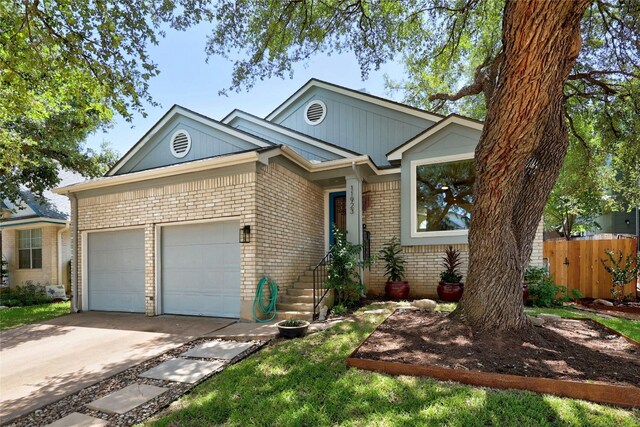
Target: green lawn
(306,382)
(17,316)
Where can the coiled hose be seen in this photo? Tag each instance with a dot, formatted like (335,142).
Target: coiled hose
(265,312)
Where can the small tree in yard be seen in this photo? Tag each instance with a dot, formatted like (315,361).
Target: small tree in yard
(621,273)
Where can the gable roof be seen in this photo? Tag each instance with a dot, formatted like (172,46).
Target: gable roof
(185,112)
(404,108)
(396,153)
(53,207)
(341,151)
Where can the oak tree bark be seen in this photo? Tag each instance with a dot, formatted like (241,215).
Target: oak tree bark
(519,157)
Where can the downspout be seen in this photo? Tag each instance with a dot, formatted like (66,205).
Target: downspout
(62,230)
(74,252)
(360,235)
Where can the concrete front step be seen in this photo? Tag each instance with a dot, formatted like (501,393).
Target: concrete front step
(289,299)
(303,306)
(306,278)
(303,285)
(299,292)
(300,315)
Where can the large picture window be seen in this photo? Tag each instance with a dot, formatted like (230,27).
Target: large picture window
(443,196)
(30,248)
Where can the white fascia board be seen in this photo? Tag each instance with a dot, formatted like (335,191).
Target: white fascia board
(397,153)
(196,166)
(175,110)
(30,222)
(353,94)
(284,131)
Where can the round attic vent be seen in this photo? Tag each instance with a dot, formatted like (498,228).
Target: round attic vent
(315,112)
(180,143)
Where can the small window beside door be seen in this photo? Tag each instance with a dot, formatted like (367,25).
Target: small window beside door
(30,248)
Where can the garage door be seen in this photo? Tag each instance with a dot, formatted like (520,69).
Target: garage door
(201,269)
(116,270)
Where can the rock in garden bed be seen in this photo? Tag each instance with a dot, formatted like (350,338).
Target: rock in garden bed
(565,349)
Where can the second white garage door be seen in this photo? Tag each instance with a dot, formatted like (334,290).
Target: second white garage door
(200,269)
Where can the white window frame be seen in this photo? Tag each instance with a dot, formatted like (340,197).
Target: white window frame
(30,249)
(414,209)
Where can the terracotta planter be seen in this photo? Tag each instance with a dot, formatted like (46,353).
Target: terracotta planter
(397,290)
(450,292)
(293,331)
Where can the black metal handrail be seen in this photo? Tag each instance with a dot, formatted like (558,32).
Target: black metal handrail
(320,276)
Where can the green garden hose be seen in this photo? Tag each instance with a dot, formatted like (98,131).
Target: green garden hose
(265,312)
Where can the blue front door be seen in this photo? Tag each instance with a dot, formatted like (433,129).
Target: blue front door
(337,213)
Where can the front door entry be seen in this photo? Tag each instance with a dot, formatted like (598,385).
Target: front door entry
(337,213)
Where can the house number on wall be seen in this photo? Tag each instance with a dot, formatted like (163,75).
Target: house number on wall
(352,201)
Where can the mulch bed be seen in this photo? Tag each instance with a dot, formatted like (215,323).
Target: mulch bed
(565,350)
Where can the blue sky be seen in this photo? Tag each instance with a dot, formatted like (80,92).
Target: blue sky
(186,79)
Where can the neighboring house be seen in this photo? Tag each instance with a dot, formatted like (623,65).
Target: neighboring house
(35,238)
(619,223)
(192,217)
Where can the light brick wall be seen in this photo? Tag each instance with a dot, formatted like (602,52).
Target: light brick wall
(230,197)
(285,212)
(289,224)
(48,274)
(422,262)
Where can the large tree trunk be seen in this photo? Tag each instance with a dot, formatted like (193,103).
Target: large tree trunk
(519,157)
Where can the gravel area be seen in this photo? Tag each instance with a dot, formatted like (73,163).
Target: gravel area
(76,402)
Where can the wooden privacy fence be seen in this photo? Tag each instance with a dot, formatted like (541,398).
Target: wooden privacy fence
(576,264)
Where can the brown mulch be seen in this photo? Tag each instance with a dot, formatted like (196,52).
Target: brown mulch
(566,349)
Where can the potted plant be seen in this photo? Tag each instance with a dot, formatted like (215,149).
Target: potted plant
(292,328)
(450,288)
(396,287)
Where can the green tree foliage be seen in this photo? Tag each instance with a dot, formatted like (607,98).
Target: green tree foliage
(66,67)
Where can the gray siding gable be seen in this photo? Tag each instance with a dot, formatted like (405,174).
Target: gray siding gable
(306,150)
(355,124)
(206,142)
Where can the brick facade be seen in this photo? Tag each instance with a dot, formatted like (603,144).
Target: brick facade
(290,224)
(422,262)
(285,212)
(48,274)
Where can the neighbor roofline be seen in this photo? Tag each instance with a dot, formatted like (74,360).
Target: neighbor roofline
(327,146)
(396,153)
(427,115)
(6,223)
(185,112)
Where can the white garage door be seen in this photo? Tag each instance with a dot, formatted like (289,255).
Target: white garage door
(200,269)
(115,264)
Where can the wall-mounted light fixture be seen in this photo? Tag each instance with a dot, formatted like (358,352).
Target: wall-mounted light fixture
(245,234)
(627,221)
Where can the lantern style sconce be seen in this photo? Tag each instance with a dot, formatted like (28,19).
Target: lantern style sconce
(245,234)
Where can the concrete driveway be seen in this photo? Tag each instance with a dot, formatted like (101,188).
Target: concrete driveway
(42,362)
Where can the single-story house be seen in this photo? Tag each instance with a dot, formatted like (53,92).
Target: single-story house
(199,210)
(35,238)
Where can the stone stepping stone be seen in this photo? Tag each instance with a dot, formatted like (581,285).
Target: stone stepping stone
(78,420)
(218,349)
(124,400)
(183,370)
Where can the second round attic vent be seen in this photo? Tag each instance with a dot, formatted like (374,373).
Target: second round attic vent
(315,112)
(180,143)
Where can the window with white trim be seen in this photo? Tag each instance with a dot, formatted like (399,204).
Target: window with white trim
(30,248)
(442,197)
